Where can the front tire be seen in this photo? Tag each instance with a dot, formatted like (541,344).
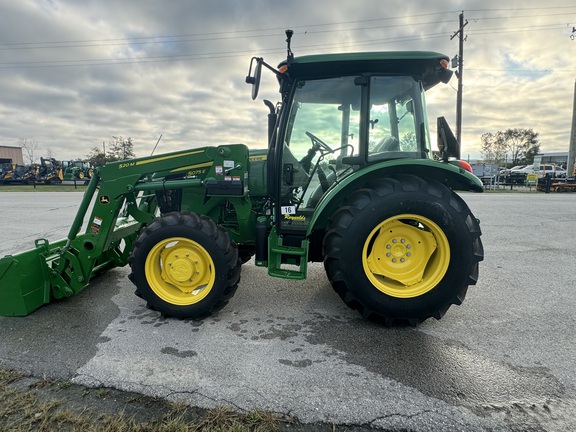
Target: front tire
(184,265)
(402,250)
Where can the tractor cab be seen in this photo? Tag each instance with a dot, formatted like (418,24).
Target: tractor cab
(344,114)
(333,127)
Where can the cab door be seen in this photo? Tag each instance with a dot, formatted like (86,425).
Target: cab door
(322,125)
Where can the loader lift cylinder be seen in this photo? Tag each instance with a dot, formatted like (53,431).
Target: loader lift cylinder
(83,209)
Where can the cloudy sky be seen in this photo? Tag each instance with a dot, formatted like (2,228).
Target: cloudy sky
(75,73)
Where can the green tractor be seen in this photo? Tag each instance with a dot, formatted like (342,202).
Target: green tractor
(76,170)
(348,179)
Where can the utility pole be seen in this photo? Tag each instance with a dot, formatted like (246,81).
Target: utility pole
(459,74)
(572,148)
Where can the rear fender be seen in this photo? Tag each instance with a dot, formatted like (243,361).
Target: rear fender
(452,176)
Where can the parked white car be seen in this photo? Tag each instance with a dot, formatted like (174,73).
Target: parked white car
(528,169)
(506,171)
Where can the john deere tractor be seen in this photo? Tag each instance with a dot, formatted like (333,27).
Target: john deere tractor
(348,179)
(76,170)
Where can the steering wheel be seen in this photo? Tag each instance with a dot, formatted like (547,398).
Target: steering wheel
(317,143)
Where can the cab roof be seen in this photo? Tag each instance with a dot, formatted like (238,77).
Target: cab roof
(425,66)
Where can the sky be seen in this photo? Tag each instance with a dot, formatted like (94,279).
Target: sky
(74,74)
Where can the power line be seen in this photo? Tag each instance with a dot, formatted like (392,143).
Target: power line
(230,54)
(227,54)
(519,16)
(233,34)
(207,55)
(213,36)
(520,8)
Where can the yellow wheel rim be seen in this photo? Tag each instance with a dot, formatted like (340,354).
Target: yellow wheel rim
(81,175)
(180,271)
(406,256)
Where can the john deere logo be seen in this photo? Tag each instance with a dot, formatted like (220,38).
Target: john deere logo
(104,199)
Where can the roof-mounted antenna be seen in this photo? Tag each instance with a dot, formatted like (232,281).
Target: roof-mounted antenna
(290,54)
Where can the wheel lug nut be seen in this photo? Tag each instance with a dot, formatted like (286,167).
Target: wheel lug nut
(393,260)
(408,254)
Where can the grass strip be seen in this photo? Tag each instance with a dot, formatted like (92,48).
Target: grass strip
(41,405)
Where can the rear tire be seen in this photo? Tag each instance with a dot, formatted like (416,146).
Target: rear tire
(184,265)
(403,249)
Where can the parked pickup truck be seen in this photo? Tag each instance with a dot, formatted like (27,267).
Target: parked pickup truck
(551,171)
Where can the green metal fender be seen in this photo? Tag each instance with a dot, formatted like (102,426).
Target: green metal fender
(449,174)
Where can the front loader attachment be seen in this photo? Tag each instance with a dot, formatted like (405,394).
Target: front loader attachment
(25,282)
(60,269)
(123,197)
(50,271)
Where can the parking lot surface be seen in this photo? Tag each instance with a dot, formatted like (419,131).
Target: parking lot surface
(504,360)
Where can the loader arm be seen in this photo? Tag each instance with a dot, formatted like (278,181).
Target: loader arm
(119,201)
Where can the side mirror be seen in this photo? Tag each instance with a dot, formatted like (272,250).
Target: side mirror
(447,142)
(255,79)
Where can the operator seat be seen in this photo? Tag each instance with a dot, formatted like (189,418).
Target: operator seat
(388,143)
(299,175)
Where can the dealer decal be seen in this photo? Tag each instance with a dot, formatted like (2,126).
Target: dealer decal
(96,224)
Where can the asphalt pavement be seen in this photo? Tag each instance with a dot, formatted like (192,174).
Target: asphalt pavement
(504,360)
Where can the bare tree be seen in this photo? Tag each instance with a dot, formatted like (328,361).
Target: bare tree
(29,145)
(523,144)
(493,148)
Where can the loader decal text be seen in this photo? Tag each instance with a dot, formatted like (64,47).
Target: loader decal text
(126,165)
(196,167)
(257,158)
(196,172)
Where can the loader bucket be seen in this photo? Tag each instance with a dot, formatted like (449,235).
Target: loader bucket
(24,281)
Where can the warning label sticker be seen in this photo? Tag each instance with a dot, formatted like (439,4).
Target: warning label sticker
(96,224)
